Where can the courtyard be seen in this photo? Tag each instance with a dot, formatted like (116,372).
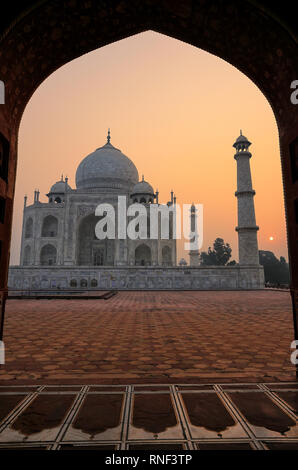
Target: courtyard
(150,370)
(150,337)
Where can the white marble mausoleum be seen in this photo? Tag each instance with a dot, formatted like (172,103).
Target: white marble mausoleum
(59,248)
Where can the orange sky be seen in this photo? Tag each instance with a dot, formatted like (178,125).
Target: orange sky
(176,111)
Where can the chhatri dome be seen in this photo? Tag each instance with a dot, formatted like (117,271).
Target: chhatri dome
(106,167)
(60,187)
(143,187)
(242,143)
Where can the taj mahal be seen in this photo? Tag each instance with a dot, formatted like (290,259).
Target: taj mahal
(59,248)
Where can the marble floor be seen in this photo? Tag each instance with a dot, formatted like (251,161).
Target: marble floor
(259,416)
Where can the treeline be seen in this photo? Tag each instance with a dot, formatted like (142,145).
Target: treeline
(276,270)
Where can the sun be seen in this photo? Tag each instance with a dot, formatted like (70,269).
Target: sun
(271,238)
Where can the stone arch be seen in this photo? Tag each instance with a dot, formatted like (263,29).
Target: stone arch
(4,157)
(48,255)
(29,228)
(143,255)
(167,256)
(49,227)
(73,283)
(296,210)
(2,209)
(266,52)
(27,256)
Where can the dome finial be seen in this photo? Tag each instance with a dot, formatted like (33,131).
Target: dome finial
(240,131)
(142,177)
(62,177)
(109,137)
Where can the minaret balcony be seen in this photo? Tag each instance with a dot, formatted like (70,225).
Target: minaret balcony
(250,228)
(246,192)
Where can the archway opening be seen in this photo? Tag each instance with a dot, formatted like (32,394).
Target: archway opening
(199,166)
(27,256)
(167,256)
(48,255)
(143,255)
(29,228)
(92,251)
(49,227)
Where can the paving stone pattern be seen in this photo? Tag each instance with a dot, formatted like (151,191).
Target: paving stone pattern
(150,337)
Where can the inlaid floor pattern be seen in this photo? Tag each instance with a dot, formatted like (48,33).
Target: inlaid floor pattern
(152,417)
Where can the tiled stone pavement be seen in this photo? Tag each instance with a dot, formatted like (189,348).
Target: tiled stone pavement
(147,337)
(259,416)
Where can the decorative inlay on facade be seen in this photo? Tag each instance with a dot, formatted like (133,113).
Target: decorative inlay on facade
(121,278)
(84,210)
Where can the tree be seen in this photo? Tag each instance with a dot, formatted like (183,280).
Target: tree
(276,271)
(218,256)
(232,263)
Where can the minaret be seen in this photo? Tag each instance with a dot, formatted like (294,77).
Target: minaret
(194,259)
(247,228)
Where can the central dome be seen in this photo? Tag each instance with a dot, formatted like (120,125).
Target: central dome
(106,167)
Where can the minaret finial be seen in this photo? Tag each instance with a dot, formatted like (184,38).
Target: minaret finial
(109,137)
(142,177)
(62,177)
(240,131)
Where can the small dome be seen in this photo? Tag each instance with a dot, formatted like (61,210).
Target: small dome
(241,138)
(142,187)
(106,167)
(241,142)
(60,187)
